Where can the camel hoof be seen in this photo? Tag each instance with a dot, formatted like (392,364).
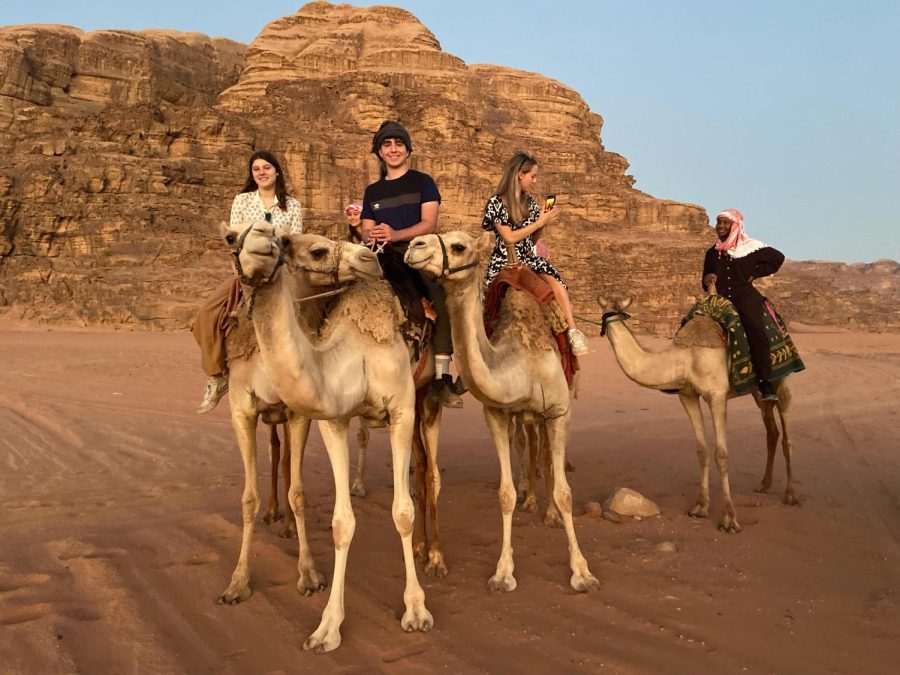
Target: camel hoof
(763,487)
(272,517)
(791,499)
(502,584)
(420,554)
(436,569)
(417,619)
(234,596)
(699,511)
(289,531)
(729,524)
(311,582)
(321,641)
(358,490)
(530,505)
(584,582)
(553,519)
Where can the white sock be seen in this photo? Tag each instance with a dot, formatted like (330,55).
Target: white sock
(441,365)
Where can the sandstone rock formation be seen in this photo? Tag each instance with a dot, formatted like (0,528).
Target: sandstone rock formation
(122,150)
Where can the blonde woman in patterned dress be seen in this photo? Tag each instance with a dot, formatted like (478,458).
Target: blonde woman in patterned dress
(513,216)
(264,197)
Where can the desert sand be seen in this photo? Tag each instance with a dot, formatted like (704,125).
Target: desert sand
(121,521)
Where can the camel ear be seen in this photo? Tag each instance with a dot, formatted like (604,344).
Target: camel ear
(626,303)
(486,243)
(603,302)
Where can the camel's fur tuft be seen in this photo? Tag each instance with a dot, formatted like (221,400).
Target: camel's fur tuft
(372,307)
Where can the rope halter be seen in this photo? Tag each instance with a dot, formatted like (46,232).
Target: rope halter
(610,317)
(255,284)
(446,270)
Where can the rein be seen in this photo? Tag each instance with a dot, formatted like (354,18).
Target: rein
(446,270)
(610,317)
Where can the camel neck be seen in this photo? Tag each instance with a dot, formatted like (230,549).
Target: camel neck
(638,364)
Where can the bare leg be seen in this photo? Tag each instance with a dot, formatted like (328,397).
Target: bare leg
(719,413)
(498,424)
(309,580)
(430,423)
(557,430)
(343,523)
(245,430)
(272,513)
(562,298)
(358,489)
(691,405)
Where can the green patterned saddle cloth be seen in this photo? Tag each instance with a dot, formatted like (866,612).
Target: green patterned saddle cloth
(784,355)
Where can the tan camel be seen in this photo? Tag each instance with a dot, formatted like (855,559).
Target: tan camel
(252,397)
(700,371)
(358,367)
(507,375)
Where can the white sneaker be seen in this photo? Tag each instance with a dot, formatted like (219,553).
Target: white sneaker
(577,341)
(216,388)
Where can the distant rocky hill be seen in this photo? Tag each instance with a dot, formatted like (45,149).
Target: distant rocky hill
(122,150)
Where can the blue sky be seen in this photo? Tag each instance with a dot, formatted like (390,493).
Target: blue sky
(788,111)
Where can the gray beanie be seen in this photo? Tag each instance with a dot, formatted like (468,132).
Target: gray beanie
(390,129)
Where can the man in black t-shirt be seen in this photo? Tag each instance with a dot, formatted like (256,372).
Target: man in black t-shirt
(400,206)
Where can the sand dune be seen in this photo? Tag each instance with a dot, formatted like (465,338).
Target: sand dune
(121,525)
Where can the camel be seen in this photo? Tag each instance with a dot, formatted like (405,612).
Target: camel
(506,376)
(251,396)
(696,372)
(359,366)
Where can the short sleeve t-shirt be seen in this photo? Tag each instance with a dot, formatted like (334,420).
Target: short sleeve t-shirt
(398,202)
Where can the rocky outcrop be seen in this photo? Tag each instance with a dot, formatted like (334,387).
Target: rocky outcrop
(122,151)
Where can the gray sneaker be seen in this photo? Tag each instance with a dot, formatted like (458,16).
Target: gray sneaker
(577,341)
(216,388)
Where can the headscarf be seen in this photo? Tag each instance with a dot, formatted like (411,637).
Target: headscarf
(353,207)
(390,129)
(736,244)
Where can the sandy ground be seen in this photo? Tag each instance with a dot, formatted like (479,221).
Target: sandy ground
(121,525)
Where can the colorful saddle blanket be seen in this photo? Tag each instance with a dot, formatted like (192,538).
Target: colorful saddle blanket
(784,355)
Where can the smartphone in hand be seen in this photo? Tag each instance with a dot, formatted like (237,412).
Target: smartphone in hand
(549,202)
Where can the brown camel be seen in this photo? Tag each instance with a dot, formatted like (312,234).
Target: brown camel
(358,366)
(700,371)
(518,370)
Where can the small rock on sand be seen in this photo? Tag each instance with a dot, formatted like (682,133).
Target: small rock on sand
(627,502)
(667,547)
(593,509)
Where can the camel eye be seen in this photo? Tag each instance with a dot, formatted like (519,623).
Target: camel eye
(230,238)
(457,248)
(285,241)
(318,253)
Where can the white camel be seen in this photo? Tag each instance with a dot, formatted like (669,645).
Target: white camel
(518,370)
(358,367)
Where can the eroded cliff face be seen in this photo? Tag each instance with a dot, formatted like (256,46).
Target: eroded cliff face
(122,150)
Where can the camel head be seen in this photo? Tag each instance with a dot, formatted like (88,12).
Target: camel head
(328,262)
(613,310)
(257,250)
(449,257)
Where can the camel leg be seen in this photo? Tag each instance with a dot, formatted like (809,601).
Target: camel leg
(420,532)
(531,503)
(290,524)
(719,413)
(274,456)
(767,408)
(245,431)
(553,518)
(691,404)
(498,424)
(416,616)
(790,497)
(517,435)
(309,579)
(431,425)
(343,523)
(358,488)
(557,430)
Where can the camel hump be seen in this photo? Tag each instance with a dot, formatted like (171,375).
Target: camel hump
(522,318)
(700,331)
(371,307)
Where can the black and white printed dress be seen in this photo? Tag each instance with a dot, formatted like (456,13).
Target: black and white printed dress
(495,210)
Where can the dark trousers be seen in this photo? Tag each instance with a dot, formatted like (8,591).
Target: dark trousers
(751,312)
